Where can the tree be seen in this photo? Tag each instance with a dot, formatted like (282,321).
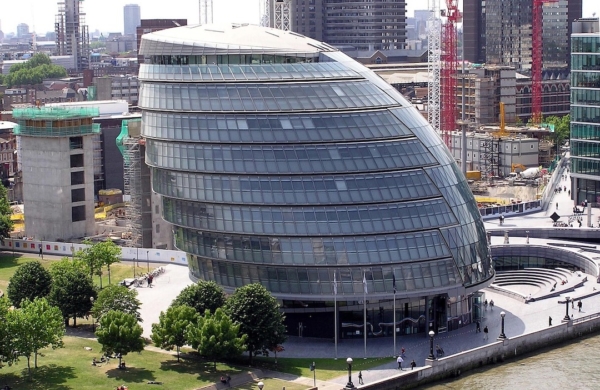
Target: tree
(562,128)
(216,337)
(257,312)
(33,71)
(201,296)
(6,224)
(120,333)
(7,349)
(100,254)
(35,326)
(171,330)
(72,289)
(118,298)
(30,281)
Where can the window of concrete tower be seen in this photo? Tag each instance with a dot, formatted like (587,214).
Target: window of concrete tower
(78,213)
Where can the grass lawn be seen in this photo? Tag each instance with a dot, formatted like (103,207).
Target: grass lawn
(118,271)
(70,368)
(326,368)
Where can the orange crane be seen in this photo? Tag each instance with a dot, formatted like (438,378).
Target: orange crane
(448,73)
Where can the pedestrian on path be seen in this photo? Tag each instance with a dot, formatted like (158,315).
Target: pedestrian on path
(413,364)
(492,304)
(403,352)
(400,360)
(477,327)
(40,255)
(439,351)
(549,321)
(360,380)
(485,333)
(485,304)
(557,205)
(579,304)
(150,278)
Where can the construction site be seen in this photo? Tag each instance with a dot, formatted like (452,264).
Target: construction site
(469,105)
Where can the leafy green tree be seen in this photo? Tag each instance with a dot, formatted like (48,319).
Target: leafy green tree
(172,327)
(100,254)
(35,326)
(29,281)
(120,333)
(257,312)
(202,296)
(6,224)
(118,298)
(72,289)
(216,337)
(33,71)
(562,128)
(7,349)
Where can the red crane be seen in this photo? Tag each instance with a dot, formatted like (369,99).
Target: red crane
(537,59)
(448,73)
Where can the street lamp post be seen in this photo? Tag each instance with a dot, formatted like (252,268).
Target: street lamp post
(147,261)
(261,385)
(431,334)
(93,323)
(502,335)
(567,318)
(349,385)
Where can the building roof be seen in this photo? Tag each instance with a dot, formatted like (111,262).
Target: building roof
(229,39)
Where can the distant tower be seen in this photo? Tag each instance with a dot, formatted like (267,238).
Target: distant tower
(57,149)
(131,18)
(22,30)
(206,12)
(72,35)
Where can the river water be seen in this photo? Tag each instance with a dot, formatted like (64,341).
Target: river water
(567,366)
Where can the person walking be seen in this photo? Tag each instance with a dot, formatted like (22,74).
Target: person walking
(485,333)
(492,304)
(150,278)
(477,327)
(400,360)
(579,304)
(403,353)
(549,321)
(413,364)
(485,304)
(360,380)
(557,205)
(40,254)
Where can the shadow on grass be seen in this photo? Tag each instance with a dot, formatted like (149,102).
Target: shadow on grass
(266,363)
(42,378)
(204,370)
(131,375)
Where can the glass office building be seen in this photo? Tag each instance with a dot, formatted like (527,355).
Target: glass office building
(282,161)
(585,111)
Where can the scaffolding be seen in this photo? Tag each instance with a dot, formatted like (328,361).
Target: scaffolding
(282,13)
(130,143)
(55,121)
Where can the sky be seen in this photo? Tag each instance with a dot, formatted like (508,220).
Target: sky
(107,15)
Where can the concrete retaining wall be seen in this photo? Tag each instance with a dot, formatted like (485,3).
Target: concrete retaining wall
(495,352)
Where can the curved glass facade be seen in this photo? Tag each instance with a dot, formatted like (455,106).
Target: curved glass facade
(294,181)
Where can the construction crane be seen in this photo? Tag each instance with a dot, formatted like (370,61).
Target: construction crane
(537,59)
(433,65)
(449,59)
(502,131)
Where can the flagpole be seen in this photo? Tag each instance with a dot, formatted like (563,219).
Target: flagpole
(365,310)
(335,314)
(394,327)
(394,286)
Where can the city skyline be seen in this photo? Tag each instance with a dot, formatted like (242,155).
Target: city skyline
(107,16)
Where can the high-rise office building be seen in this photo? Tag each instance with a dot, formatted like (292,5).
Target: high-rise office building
(281,161)
(362,24)
(22,30)
(72,34)
(131,18)
(499,32)
(585,111)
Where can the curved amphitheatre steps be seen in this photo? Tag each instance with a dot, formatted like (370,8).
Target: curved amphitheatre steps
(544,283)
